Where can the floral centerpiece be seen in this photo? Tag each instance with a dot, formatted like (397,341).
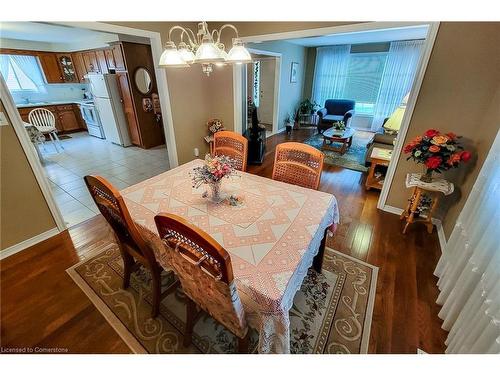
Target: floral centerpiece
(212,173)
(438,152)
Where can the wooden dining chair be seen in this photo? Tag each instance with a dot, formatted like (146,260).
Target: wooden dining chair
(206,275)
(233,145)
(298,164)
(45,122)
(133,248)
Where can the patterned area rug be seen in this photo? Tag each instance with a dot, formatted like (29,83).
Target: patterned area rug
(353,159)
(332,311)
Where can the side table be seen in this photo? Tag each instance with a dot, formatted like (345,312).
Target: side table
(379,158)
(424,199)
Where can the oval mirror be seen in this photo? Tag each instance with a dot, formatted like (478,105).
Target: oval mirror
(143,80)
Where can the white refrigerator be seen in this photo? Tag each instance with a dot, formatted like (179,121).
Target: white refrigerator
(107,100)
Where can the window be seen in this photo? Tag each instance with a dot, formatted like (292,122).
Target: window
(21,72)
(364,75)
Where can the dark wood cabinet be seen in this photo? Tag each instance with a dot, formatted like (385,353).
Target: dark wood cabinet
(118,59)
(90,62)
(50,67)
(110,60)
(128,108)
(80,68)
(68,118)
(67,67)
(101,61)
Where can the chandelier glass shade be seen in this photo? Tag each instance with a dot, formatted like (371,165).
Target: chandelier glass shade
(203,48)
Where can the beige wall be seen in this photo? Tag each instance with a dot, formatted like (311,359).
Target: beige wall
(459,93)
(24,212)
(290,93)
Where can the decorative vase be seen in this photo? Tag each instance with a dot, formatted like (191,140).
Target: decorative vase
(215,191)
(427,176)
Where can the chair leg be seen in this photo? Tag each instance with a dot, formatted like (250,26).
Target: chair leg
(191,313)
(53,142)
(156,290)
(58,140)
(243,344)
(128,264)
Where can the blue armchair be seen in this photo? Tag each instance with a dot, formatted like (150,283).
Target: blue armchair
(335,110)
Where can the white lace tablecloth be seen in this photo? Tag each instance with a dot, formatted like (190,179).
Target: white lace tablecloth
(272,237)
(437,184)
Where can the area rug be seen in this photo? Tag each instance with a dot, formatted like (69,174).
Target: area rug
(353,159)
(332,311)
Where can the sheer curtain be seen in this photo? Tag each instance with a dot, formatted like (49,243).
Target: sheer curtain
(399,72)
(469,269)
(29,66)
(330,72)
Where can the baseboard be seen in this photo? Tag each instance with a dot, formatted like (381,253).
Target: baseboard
(27,243)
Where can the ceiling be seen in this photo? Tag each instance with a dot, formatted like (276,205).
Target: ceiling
(48,33)
(361,37)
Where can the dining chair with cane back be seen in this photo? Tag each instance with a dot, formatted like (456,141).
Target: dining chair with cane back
(45,121)
(206,275)
(233,145)
(133,248)
(298,164)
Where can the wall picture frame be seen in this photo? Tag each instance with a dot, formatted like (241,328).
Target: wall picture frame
(293,72)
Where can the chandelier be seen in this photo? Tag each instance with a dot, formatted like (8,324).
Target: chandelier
(203,48)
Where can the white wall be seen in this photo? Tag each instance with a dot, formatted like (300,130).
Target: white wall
(290,93)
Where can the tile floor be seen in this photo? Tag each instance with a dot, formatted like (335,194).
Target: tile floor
(84,154)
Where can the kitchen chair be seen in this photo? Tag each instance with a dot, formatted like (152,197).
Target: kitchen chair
(45,122)
(133,248)
(233,145)
(206,275)
(298,164)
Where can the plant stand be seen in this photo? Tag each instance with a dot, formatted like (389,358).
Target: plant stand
(424,199)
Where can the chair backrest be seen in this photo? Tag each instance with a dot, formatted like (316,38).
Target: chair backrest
(339,106)
(204,270)
(42,119)
(233,145)
(112,206)
(298,164)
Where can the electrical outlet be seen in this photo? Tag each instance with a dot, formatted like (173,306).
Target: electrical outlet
(196,152)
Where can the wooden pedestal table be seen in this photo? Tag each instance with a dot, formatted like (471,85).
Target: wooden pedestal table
(378,157)
(425,198)
(344,137)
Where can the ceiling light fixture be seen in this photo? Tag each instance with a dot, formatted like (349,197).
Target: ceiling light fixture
(203,48)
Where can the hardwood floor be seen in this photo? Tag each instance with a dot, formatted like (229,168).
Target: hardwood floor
(42,307)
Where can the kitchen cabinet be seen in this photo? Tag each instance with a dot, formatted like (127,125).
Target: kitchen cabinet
(50,67)
(118,59)
(90,62)
(67,117)
(79,66)
(110,60)
(67,67)
(129,108)
(101,61)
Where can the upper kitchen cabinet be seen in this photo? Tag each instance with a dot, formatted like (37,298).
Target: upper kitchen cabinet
(101,60)
(80,68)
(50,67)
(114,57)
(90,62)
(67,67)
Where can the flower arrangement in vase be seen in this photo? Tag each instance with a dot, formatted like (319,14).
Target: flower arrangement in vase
(211,173)
(438,152)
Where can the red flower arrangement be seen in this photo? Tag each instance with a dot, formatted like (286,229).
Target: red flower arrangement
(438,152)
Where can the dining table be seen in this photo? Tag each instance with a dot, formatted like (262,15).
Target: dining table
(274,234)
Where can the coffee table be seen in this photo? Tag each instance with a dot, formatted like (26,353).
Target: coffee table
(333,135)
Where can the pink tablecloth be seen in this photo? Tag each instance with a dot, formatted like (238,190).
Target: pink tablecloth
(272,238)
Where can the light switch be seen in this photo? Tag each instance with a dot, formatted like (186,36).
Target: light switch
(3,119)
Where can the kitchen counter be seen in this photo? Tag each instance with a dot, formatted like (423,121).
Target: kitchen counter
(45,104)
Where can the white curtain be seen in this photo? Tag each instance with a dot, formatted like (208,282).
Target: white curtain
(330,72)
(4,65)
(469,268)
(397,79)
(29,66)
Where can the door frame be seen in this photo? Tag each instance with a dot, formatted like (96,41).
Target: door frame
(430,39)
(277,81)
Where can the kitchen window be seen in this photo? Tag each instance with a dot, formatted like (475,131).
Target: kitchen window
(21,72)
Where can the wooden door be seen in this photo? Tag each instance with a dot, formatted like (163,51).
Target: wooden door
(90,61)
(118,57)
(50,67)
(110,60)
(101,61)
(67,67)
(128,108)
(80,68)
